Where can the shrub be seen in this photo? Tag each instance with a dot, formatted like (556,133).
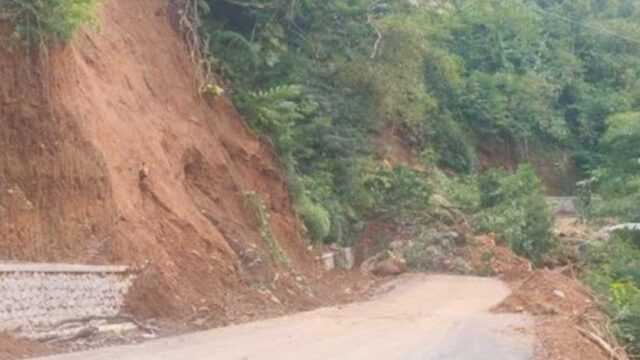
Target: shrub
(618,180)
(514,207)
(273,114)
(614,273)
(464,193)
(455,146)
(316,218)
(44,21)
(399,190)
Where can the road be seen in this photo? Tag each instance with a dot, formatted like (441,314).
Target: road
(422,318)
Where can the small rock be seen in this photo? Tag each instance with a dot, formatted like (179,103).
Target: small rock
(393,265)
(329,261)
(558,294)
(143,173)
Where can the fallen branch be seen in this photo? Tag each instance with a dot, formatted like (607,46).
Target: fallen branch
(249,5)
(129,318)
(83,332)
(600,342)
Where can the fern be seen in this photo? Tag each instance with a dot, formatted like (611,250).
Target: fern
(274,110)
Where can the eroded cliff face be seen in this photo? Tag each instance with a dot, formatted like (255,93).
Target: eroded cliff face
(78,126)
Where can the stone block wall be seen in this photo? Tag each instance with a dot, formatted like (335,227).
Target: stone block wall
(41,295)
(563,205)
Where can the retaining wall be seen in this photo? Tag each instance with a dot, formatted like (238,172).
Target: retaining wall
(41,295)
(563,205)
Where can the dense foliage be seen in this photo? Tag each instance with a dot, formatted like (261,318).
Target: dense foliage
(44,21)
(614,268)
(614,272)
(309,80)
(618,179)
(320,79)
(512,206)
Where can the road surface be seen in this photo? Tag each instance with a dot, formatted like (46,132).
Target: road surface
(423,318)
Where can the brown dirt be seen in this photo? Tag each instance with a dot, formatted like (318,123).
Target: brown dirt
(553,166)
(375,238)
(570,229)
(563,306)
(11,348)
(535,295)
(489,258)
(391,148)
(79,124)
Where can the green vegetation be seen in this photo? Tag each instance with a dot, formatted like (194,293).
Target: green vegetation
(615,274)
(316,107)
(514,207)
(614,268)
(309,79)
(37,22)
(258,206)
(510,205)
(618,179)
(320,80)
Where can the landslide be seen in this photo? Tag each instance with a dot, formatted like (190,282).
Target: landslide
(79,126)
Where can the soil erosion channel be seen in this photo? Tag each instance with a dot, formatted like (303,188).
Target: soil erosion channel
(423,317)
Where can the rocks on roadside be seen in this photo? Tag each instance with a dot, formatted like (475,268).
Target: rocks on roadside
(386,263)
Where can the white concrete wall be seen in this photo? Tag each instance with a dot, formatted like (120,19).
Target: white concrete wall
(37,295)
(565,205)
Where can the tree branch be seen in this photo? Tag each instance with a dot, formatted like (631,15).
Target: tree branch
(269,6)
(378,33)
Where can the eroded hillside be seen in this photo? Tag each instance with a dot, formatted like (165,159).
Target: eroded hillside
(109,155)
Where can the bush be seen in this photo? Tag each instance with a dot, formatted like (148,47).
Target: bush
(399,190)
(44,21)
(464,193)
(618,181)
(454,145)
(316,218)
(614,273)
(514,207)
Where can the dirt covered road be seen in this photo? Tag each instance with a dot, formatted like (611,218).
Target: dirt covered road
(423,317)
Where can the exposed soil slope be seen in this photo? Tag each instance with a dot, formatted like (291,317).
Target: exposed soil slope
(553,166)
(78,126)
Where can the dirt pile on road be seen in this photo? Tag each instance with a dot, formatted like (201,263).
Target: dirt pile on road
(487,257)
(570,324)
(545,292)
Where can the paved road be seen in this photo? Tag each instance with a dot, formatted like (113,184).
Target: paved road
(423,318)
